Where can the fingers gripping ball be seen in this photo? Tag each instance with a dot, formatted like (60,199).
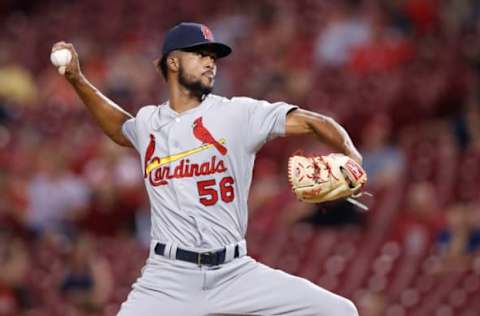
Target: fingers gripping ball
(60,58)
(325,178)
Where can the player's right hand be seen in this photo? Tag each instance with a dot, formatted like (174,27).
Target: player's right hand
(72,70)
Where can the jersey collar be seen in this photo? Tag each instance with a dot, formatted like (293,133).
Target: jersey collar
(166,114)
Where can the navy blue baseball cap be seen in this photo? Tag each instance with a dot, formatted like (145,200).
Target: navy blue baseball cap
(189,35)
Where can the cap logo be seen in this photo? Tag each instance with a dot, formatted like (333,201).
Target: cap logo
(207,33)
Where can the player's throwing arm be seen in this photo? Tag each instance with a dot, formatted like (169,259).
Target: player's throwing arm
(106,113)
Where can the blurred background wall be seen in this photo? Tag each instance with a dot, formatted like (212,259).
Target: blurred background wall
(403,76)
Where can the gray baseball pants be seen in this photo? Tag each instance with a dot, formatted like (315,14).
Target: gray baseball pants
(241,286)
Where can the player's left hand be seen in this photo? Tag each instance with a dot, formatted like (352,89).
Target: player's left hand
(325,178)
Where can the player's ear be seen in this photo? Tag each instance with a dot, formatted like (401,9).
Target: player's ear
(157,63)
(173,63)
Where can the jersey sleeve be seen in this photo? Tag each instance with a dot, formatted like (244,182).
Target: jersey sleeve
(134,128)
(130,132)
(265,121)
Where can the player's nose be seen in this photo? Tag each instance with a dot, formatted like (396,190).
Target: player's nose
(209,62)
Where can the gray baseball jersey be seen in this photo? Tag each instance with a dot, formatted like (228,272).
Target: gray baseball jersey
(198,166)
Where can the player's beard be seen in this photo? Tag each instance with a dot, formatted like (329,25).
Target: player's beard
(196,87)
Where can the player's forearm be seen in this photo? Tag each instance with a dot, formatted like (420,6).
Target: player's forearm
(324,128)
(332,133)
(108,115)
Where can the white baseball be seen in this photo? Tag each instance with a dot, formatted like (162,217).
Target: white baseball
(61,58)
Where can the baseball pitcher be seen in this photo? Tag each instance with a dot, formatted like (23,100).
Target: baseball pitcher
(197,152)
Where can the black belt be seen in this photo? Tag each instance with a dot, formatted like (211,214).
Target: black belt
(210,258)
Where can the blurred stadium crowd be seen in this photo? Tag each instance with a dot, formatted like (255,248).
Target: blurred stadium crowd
(403,77)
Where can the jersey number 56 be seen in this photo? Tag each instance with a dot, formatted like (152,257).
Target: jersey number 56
(208,191)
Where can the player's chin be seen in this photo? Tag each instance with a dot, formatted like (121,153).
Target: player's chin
(208,84)
(208,81)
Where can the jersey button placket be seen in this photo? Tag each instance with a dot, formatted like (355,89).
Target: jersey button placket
(173,148)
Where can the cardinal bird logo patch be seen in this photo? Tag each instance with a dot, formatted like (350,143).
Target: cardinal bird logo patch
(207,33)
(149,153)
(202,134)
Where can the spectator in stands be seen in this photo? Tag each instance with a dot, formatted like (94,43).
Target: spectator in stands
(117,191)
(268,185)
(385,50)
(418,223)
(459,239)
(345,31)
(55,194)
(424,15)
(12,203)
(467,123)
(87,282)
(14,268)
(383,161)
(17,84)
(102,217)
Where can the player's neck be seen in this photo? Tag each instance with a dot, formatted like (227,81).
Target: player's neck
(182,99)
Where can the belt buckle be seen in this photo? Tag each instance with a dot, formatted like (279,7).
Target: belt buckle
(200,256)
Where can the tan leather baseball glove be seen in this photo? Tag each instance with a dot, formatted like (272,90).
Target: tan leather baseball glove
(326,178)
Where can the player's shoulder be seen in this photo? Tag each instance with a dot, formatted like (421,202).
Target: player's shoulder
(147,109)
(251,103)
(236,100)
